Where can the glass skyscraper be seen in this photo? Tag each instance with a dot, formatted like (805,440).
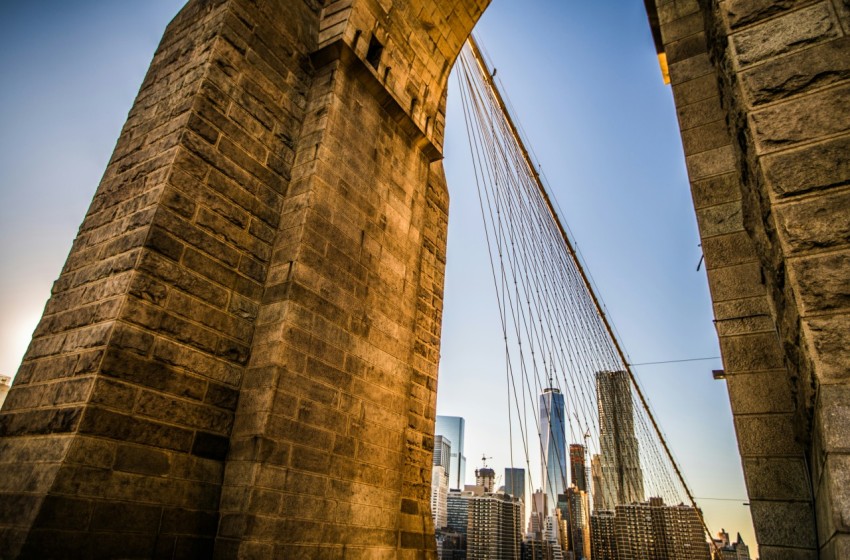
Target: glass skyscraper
(452,427)
(552,432)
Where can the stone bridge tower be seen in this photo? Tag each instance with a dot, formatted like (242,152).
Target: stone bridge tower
(239,359)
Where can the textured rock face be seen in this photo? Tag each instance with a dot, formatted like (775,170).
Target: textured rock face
(240,356)
(772,205)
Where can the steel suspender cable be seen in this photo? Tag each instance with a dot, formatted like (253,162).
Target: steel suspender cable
(544,291)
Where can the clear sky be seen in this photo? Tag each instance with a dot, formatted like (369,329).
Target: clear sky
(584,82)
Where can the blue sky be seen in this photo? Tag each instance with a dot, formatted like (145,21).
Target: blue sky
(584,82)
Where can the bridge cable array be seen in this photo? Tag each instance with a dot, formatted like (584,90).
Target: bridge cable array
(555,332)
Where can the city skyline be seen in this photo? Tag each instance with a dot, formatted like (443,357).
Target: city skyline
(102,90)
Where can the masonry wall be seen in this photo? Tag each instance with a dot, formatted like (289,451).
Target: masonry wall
(761,91)
(240,356)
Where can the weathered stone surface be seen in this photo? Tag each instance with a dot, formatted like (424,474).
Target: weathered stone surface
(761,392)
(729,249)
(802,119)
(813,167)
(788,33)
(833,418)
(745,12)
(736,282)
(690,68)
(814,68)
(715,190)
(816,223)
(777,479)
(829,337)
(712,162)
(767,552)
(837,548)
(686,47)
(822,281)
(755,352)
(787,524)
(699,113)
(833,497)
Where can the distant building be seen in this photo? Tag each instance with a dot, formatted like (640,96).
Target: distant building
(553,441)
(596,479)
(440,480)
(515,483)
(653,530)
(494,528)
(577,538)
(578,470)
(485,477)
(622,477)
(453,427)
(724,549)
(5,385)
(457,511)
(538,514)
(603,535)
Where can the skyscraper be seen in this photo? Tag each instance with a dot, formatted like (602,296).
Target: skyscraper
(453,428)
(578,470)
(622,478)
(494,528)
(553,441)
(603,535)
(653,530)
(596,479)
(440,480)
(515,483)
(578,523)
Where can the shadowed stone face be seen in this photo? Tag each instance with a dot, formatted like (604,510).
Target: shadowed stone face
(240,356)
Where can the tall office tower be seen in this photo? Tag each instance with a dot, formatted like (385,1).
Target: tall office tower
(494,528)
(577,511)
(596,479)
(457,506)
(453,428)
(578,469)
(440,480)
(538,514)
(515,486)
(603,535)
(442,452)
(622,478)
(653,530)
(515,483)
(553,442)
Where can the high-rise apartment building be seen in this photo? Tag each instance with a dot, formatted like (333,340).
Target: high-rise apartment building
(578,523)
(578,469)
(622,477)
(596,479)
(603,535)
(453,428)
(653,530)
(494,528)
(553,442)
